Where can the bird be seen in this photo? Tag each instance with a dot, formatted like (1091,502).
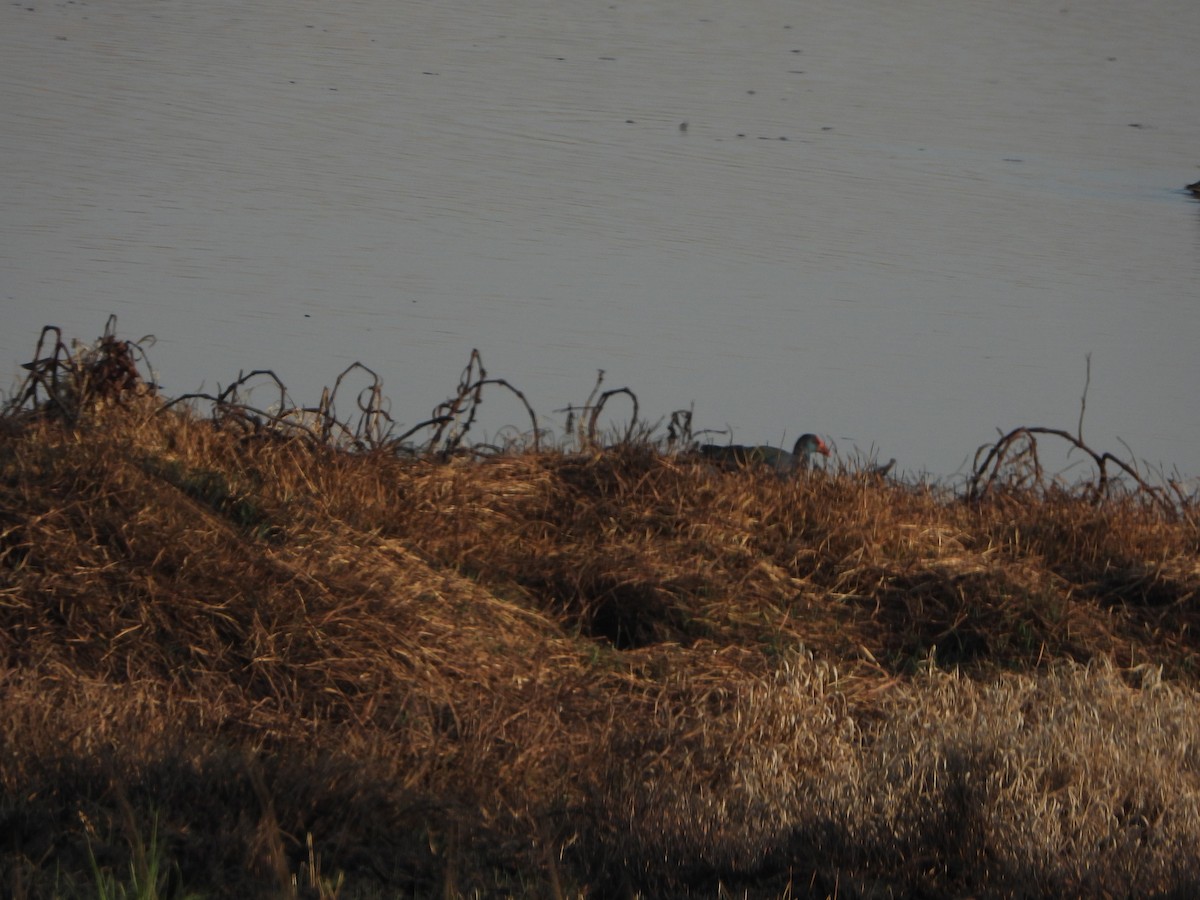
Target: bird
(784,463)
(1194,188)
(880,470)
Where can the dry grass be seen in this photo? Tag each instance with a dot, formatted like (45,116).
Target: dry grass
(594,673)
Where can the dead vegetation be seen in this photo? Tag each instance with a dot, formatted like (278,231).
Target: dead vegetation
(320,660)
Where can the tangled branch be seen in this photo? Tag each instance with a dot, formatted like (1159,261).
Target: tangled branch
(65,381)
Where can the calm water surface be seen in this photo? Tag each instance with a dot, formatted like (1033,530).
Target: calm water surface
(902,225)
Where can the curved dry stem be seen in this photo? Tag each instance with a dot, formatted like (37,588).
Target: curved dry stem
(599,407)
(446,440)
(1008,450)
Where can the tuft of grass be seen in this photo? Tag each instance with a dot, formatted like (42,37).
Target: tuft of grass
(150,872)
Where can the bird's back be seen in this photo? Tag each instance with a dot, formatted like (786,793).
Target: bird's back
(738,455)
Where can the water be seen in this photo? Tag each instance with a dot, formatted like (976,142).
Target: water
(902,226)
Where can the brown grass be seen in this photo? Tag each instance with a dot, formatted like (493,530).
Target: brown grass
(603,672)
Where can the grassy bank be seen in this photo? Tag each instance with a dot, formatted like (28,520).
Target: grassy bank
(272,655)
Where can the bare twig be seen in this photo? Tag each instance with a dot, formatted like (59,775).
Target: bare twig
(1083,400)
(596,410)
(998,454)
(465,402)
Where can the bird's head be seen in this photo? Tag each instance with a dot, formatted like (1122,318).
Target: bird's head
(808,444)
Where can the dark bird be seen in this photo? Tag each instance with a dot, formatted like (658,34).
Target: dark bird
(881,469)
(736,455)
(1194,188)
